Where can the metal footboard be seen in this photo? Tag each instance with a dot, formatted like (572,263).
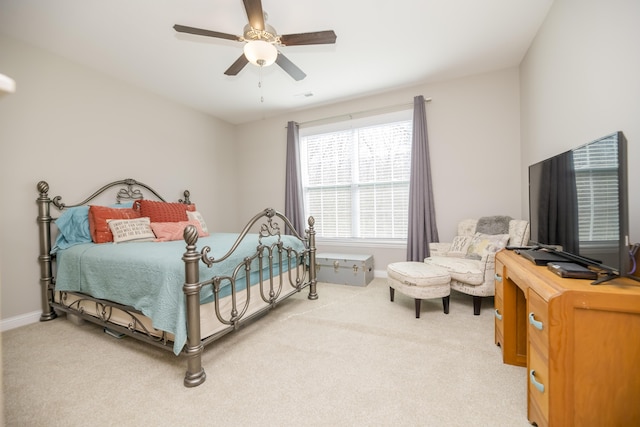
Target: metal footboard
(194,348)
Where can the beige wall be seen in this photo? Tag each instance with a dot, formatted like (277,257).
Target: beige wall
(580,80)
(78,130)
(577,82)
(473,126)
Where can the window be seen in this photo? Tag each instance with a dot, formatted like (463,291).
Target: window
(356,179)
(597,186)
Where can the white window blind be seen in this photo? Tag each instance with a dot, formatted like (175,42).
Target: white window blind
(597,185)
(356,180)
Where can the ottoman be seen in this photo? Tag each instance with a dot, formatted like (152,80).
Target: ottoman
(419,281)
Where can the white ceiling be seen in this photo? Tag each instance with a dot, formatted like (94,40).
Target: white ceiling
(381,46)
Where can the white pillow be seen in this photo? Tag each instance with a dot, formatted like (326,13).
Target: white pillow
(125,230)
(197,216)
(459,246)
(486,243)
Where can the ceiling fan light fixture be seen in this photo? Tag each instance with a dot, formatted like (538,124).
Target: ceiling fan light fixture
(260,53)
(7,84)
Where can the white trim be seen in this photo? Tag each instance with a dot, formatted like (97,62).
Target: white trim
(361,243)
(382,274)
(21,320)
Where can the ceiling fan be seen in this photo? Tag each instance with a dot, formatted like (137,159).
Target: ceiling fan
(261,41)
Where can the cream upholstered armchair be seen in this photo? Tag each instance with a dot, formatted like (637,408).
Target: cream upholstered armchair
(470,258)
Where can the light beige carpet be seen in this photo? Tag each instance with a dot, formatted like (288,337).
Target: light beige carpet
(350,358)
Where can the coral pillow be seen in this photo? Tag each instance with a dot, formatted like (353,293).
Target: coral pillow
(166,231)
(163,211)
(98,221)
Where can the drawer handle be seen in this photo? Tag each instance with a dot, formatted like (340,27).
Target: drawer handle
(498,278)
(538,385)
(536,324)
(498,315)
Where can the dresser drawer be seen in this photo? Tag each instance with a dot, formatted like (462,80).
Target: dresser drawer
(538,321)
(538,387)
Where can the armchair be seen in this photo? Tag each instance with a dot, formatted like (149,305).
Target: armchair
(470,258)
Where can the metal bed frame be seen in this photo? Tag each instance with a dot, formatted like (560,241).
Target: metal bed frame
(268,226)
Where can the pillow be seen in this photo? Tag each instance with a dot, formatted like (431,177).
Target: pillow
(166,231)
(126,230)
(163,211)
(482,244)
(73,228)
(98,216)
(459,246)
(197,216)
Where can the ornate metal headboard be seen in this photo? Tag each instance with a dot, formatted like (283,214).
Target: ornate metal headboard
(130,190)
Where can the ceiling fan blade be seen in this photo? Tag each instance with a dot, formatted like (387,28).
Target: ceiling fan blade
(318,37)
(291,68)
(206,33)
(237,66)
(254,14)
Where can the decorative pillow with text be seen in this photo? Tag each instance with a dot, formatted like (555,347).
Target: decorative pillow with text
(127,230)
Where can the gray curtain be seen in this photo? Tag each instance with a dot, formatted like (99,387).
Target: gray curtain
(293,207)
(422,215)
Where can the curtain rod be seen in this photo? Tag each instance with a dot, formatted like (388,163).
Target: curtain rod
(363,113)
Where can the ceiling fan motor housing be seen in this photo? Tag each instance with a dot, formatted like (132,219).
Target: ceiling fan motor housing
(268,35)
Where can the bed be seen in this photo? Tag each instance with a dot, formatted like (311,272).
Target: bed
(149,269)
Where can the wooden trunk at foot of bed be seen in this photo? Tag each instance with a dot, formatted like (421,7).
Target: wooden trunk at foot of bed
(194,347)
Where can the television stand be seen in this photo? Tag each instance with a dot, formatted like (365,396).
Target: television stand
(578,342)
(612,276)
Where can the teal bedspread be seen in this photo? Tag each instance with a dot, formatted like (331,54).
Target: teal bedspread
(149,275)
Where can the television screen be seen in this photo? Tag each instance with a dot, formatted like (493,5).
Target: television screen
(578,202)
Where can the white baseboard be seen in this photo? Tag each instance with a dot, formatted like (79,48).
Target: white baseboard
(380,274)
(22,320)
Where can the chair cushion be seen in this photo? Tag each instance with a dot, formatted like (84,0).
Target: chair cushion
(418,273)
(461,269)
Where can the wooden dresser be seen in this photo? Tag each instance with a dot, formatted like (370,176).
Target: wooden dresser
(579,342)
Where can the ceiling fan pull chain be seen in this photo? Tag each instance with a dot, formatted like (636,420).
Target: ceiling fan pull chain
(260,86)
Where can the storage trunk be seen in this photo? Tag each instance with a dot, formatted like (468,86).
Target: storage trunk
(345,269)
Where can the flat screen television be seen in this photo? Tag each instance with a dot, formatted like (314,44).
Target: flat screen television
(578,203)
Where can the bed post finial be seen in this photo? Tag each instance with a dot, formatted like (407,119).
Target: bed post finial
(43,187)
(190,235)
(44,234)
(186,200)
